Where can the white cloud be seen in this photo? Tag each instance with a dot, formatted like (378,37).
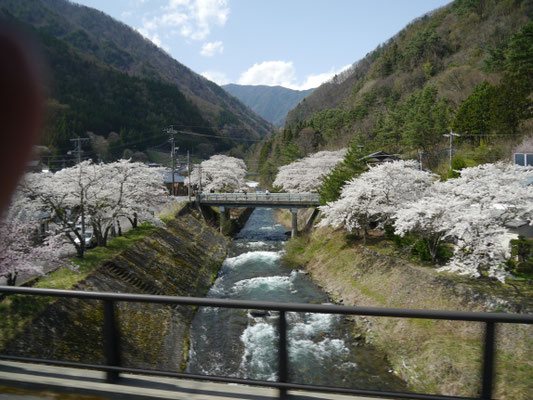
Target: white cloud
(315,80)
(211,48)
(283,73)
(216,76)
(191,19)
(195,18)
(170,19)
(270,73)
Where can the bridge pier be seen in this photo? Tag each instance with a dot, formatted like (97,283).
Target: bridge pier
(224,217)
(294,215)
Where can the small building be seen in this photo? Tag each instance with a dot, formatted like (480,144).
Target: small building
(523,159)
(379,157)
(179,183)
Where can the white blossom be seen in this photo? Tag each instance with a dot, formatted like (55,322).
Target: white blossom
(471,212)
(494,194)
(92,195)
(375,195)
(305,175)
(21,252)
(220,173)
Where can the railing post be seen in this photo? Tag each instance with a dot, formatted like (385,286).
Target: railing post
(488,361)
(283,362)
(111,341)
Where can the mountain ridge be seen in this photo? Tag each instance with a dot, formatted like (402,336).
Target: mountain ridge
(106,42)
(464,67)
(271,102)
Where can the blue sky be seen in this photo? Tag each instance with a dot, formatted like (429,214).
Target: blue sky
(293,43)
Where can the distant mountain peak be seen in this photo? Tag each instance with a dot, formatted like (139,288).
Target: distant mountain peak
(271,102)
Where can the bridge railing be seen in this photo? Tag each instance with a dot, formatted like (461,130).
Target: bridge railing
(112,338)
(260,197)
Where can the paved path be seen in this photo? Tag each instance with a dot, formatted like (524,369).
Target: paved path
(42,378)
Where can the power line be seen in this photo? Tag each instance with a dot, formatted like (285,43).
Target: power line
(78,149)
(219,137)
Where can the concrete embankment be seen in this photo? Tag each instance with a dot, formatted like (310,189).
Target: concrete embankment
(183,259)
(432,356)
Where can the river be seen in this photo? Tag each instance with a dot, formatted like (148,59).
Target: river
(237,343)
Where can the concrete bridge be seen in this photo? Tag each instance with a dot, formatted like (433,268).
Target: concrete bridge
(292,201)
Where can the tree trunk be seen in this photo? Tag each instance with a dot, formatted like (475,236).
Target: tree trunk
(12,278)
(134,221)
(80,248)
(99,237)
(433,247)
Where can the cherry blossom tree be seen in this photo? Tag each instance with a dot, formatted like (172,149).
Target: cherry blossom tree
(124,189)
(431,217)
(305,175)
(374,196)
(64,194)
(93,195)
(481,244)
(471,212)
(494,194)
(220,173)
(19,252)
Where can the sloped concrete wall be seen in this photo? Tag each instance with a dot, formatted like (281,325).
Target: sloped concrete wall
(182,260)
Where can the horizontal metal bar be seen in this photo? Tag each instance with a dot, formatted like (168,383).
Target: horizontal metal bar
(251,382)
(266,305)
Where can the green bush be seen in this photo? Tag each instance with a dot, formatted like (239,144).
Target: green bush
(419,247)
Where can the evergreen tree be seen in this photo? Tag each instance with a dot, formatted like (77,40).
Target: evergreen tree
(427,119)
(352,165)
(520,53)
(511,104)
(474,114)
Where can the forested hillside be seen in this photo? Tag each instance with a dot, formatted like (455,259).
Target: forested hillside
(105,78)
(271,102)
(467,67)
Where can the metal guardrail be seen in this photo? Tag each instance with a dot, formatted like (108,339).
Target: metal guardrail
(112,338)
(260,198)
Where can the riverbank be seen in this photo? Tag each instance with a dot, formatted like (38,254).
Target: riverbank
(182,259)
(432,356)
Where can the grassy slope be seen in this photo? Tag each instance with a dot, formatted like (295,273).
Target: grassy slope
(433,356)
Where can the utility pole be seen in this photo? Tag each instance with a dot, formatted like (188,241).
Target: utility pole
(78,149)
(451,135)
(171,131)
(200,178)
(189,175)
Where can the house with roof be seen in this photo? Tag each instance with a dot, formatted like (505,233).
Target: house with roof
(180,189)
(379,157)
